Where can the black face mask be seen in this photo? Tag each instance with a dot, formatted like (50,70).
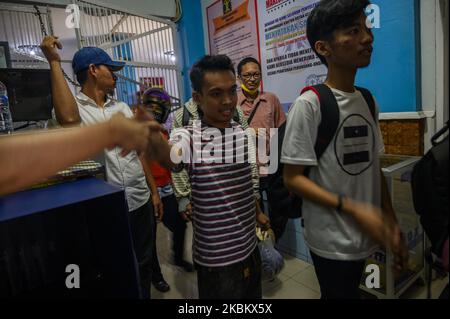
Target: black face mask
(161,117)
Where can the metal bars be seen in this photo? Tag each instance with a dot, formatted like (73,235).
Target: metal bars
(146,45)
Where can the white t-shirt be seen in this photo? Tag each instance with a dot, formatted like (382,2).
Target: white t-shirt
(125,172)
(349,166)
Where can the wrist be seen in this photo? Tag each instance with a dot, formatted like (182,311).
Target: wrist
(339,203)
(347,205)
(54,63)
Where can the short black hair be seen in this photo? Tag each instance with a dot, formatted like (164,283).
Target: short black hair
(244,61)
(329,16)
(82,76)
(209,63)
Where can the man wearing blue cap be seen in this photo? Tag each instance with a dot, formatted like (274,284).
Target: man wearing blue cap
(94,70)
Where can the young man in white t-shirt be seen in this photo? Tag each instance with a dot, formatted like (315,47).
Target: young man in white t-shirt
(347,210)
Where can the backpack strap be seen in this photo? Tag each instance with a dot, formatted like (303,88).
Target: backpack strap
(236,116)
(439,134)
(252,115)
(368,97)
(329,110)
(186,116)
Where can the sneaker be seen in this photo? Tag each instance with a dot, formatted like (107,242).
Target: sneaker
(161,285)
(187,266)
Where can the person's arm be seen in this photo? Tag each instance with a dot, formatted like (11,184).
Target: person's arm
(261,218)
(368,216)
(161,151)
(158,149)
(48,152)
(180,179)
(371,219)
(66,108)
(156,200)
(296,181)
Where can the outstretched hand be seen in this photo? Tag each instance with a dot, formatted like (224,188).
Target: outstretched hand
(156,141)
(131,134)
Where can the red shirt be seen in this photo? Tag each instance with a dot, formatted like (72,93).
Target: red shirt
(161,175)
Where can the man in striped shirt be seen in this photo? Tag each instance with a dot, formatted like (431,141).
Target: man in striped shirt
(216,153)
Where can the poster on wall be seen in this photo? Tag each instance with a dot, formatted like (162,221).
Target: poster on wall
(232,29)
(287,60)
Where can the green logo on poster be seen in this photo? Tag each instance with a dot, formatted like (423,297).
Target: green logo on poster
(226,6)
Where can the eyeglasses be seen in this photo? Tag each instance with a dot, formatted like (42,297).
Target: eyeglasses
(248,76)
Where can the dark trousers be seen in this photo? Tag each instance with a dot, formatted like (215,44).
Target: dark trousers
(277,221)
(141,224)
(173,221)
(338,279)
(241,280)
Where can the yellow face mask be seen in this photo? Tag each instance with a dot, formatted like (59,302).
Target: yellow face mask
(252,92)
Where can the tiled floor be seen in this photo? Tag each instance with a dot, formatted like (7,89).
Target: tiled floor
(297,280)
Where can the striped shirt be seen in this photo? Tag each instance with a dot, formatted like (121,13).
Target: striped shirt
(223,192)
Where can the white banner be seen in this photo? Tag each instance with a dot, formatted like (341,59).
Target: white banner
(232,29)
(287,60)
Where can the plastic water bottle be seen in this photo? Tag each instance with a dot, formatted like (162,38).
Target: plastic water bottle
(6,124)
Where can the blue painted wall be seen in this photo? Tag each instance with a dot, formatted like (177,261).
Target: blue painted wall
(190,31)
(394,75)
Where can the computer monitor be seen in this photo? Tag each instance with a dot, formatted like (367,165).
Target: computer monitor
(29,92)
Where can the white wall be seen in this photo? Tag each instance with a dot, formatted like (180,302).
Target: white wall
(434,52)
(205,4)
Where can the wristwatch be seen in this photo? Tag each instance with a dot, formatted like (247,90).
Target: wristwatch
(340,203)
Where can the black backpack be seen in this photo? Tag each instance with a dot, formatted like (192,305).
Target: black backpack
(282,203)
(430,191)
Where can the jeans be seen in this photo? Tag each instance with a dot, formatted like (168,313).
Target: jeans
(241,280)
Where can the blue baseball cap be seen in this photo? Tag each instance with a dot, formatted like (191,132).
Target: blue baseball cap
(93,55)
